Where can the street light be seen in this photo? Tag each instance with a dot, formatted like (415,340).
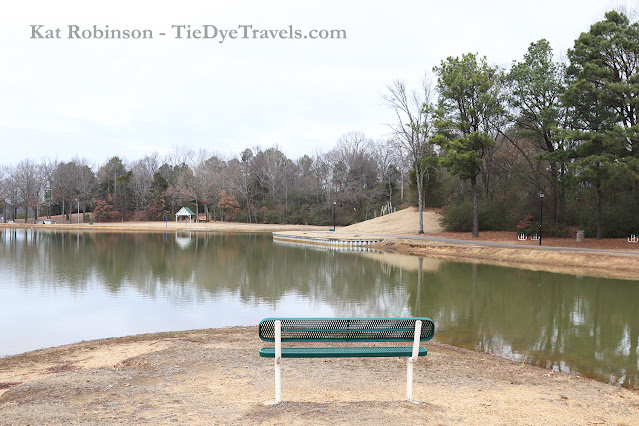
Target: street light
(334,207)
(78,210)
(541,212)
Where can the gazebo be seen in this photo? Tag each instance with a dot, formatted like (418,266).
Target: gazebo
(184,212)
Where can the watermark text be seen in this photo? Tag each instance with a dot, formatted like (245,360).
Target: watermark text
(183,32)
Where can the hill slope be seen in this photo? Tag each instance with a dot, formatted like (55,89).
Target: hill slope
(401,222)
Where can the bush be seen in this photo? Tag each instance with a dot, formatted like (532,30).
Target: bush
(506,213)
(458,217)
(618,219)
(495,216)
(557,230)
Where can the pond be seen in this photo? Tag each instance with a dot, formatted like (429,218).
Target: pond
(61,287)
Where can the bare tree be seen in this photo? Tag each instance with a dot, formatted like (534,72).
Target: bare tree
(201,183)
(48,168)
(64,189)
(209,179)
(242,180)
(4,174)
(27,178)
(143,172)
(85,182)
(387,160)
(11,192)
(271,168)
(183,186)
(354,173)
(412,129)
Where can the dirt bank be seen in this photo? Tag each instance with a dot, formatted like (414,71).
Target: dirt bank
(607,263)
(217,377)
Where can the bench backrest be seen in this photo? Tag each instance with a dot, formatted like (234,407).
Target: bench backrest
(346,329)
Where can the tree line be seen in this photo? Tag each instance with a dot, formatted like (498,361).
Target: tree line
(353,181)
(479,141)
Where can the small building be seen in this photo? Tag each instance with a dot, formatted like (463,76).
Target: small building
(185,212)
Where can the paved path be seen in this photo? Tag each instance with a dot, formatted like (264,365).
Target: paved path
(489,243)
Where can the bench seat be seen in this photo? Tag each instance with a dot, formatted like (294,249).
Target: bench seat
(345,352)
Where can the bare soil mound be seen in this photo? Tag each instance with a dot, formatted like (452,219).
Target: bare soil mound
(401,222)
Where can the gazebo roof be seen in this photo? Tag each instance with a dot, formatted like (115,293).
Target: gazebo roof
(185,211)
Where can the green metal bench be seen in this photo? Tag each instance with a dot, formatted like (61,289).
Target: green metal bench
(350,330)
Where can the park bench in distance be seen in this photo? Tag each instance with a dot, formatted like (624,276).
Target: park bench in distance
(311,330)
(523,236)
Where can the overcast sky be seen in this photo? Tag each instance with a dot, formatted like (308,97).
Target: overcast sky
(96,98)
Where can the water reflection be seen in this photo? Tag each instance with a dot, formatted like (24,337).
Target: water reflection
(575,324)
(59,287)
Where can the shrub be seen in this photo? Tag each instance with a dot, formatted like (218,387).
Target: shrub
(495,216)
(618,219)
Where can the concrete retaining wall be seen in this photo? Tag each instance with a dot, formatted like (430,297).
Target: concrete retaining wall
(332,242)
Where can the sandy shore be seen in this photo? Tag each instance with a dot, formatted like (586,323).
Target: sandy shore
(606,263)
(217,377)
(169,226)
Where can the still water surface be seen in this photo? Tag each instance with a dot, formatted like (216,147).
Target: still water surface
(62,287)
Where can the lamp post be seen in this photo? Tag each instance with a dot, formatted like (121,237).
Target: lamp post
(334,208)
(541,212)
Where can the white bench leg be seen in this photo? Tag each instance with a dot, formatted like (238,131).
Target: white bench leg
(278,360)
(411,361)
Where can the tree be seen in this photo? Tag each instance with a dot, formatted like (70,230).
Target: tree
(103,209)
(228,205)
(210,179)
(156,209)
(48,174)
(604,66)
(468,111)
(243,180)
(143,172)
(3,190)
(11,193)
(180,184)
(354,175)
(108,175)
(271,167)
(30,184)
(594,165)
(603,90)
(86,182)
(412,130)
(64,189)
(386,160)
(536,86)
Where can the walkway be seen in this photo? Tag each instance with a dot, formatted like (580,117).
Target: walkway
(338,235)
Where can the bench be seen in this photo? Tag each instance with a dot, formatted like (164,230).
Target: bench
(523,236)
(633,238)
(311,330)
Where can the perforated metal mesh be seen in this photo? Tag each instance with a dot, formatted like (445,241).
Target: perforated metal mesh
(346,329)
